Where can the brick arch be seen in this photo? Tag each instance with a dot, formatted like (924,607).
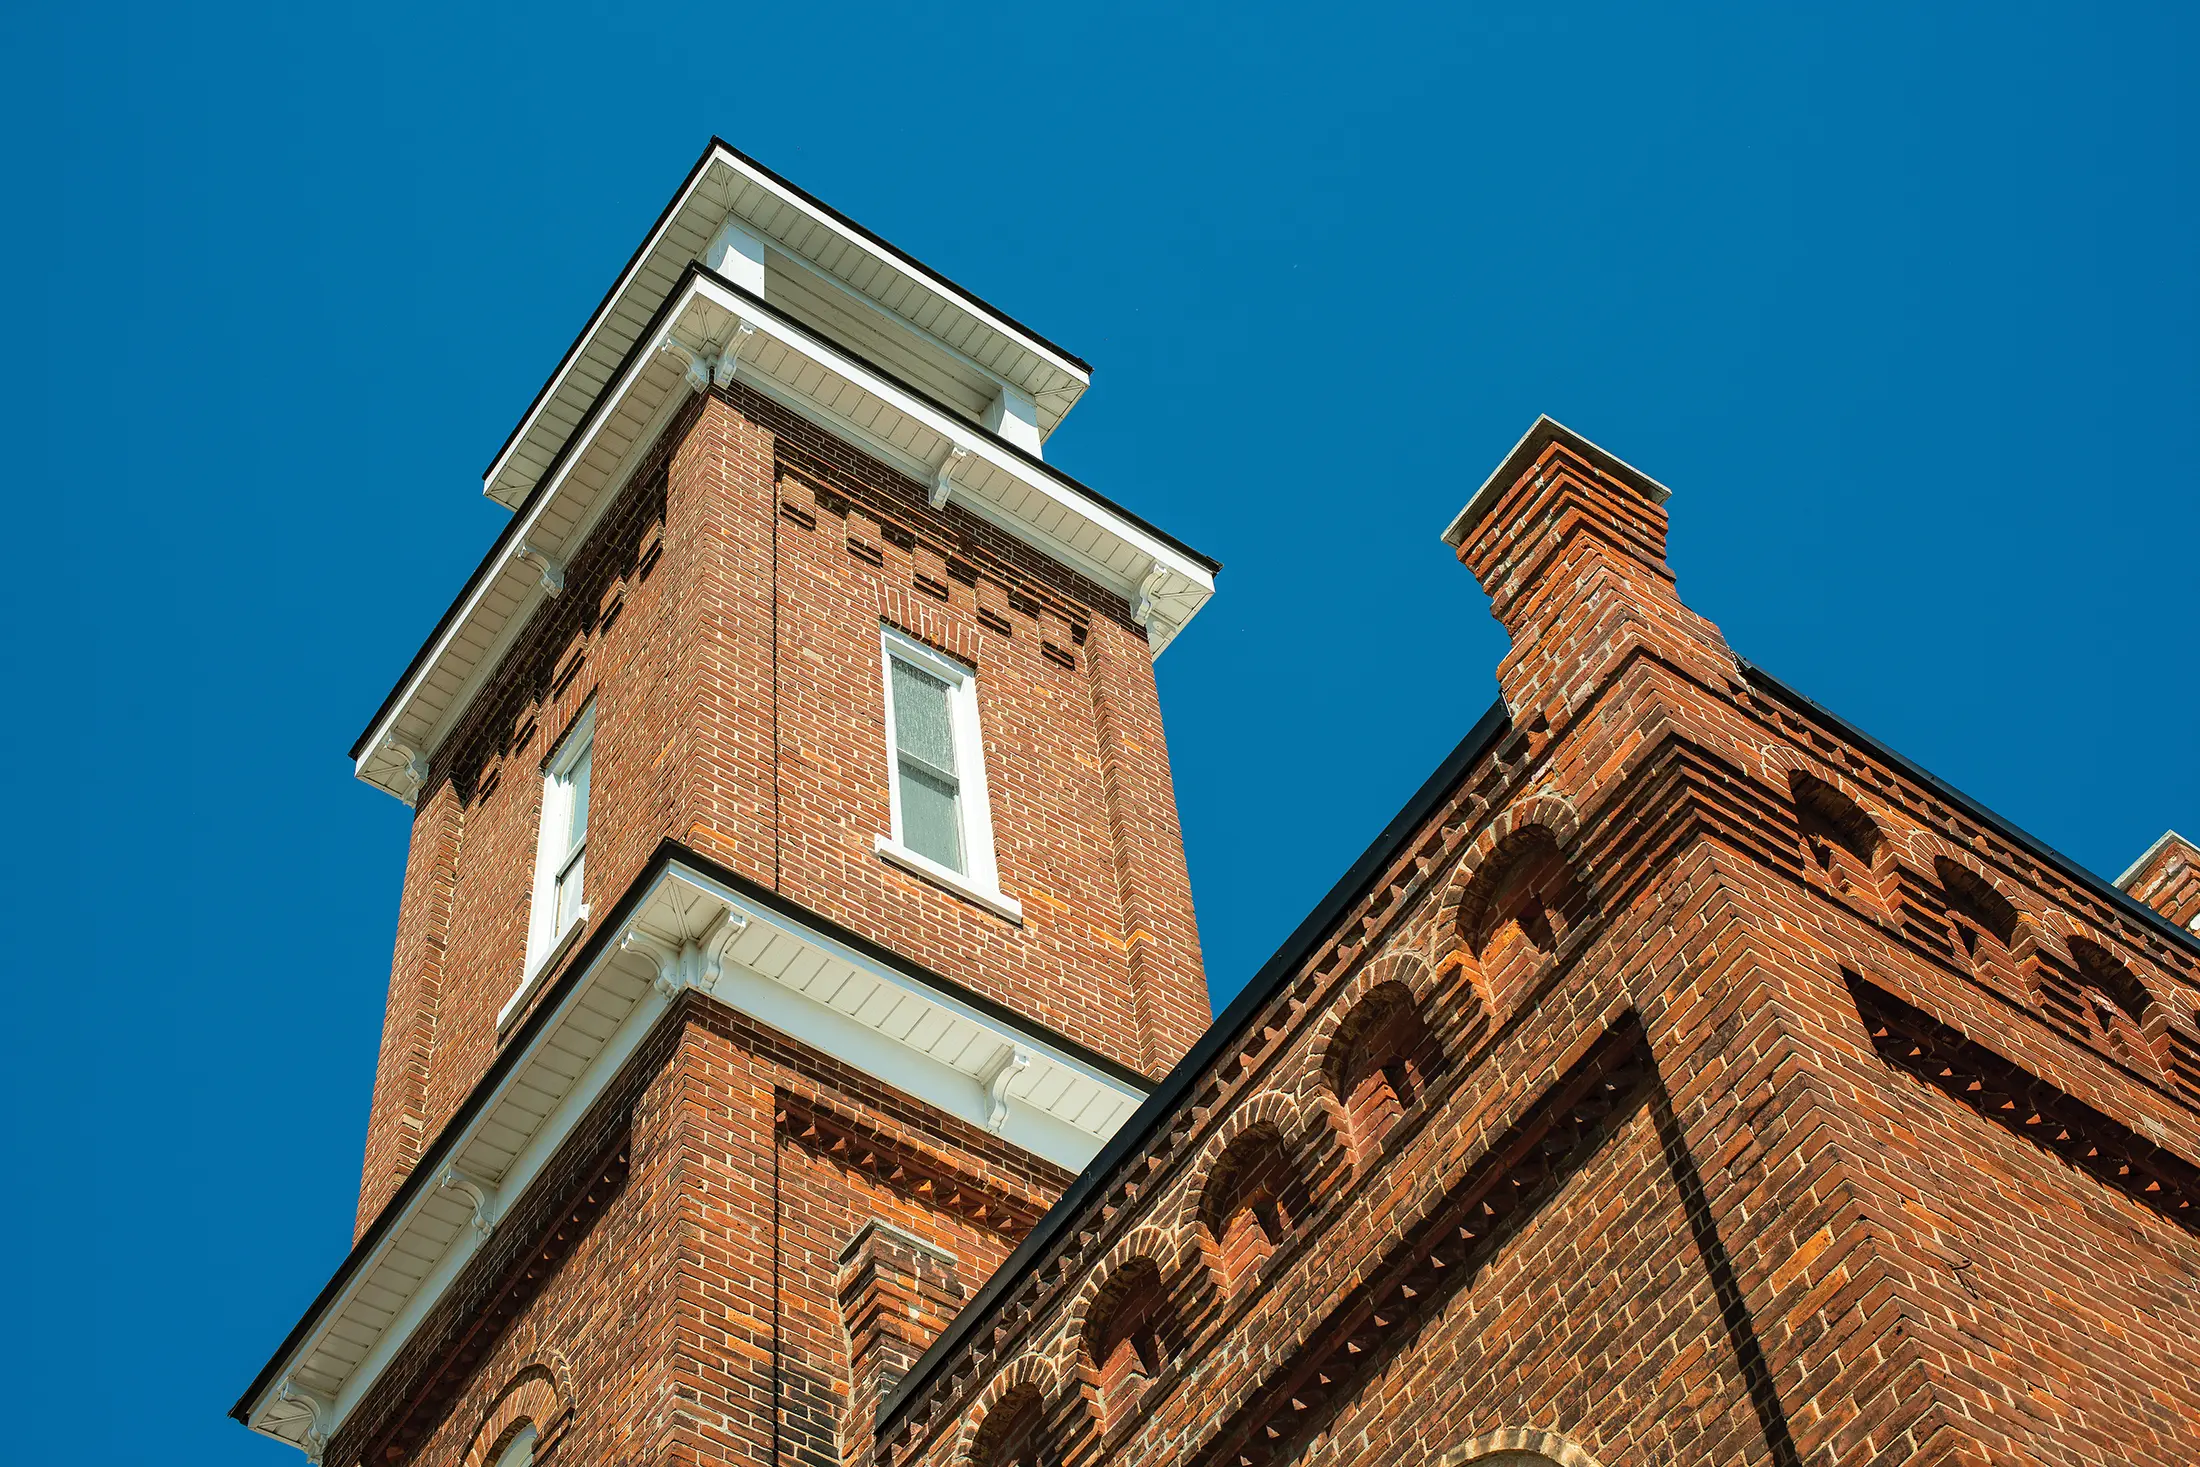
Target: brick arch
(1518,1445)
(1926,848)
(1408,969)
(1146,1241)
(537,1395)
(1029,1370)
(1554,813)
(1273,1108)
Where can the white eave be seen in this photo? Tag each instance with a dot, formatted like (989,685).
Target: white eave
(834,271)
(1165,583)
(686,930)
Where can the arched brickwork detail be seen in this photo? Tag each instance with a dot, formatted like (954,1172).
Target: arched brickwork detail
(1409,970)
(1554,813)
(1121,1334)
(536,1395)
(1028,1371)
(1272,1108)
(1516,1447)
(1146,1241)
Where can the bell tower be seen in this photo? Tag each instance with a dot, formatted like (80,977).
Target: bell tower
(795,900)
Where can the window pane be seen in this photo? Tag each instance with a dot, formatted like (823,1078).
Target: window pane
(930,825)
(577,780)
(569,892)
(922,724)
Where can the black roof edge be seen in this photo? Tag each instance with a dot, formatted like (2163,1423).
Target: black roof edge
(496,554)
(1273,974)
(669,852)
(2107,891)
(714,145)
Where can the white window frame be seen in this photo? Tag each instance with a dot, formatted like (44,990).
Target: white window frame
(981,883)
(552,854)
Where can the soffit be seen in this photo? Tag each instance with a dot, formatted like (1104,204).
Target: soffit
(834,273)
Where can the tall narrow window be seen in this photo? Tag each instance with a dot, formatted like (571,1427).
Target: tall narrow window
(561,855)
(942,825)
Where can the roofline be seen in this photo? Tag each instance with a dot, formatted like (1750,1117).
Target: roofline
(2147,855)
(717,145)
(1544,431)
(513,528)
(1272,977)
(2115,896)
(669,853)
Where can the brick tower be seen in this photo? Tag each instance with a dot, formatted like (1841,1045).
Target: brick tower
(795,900)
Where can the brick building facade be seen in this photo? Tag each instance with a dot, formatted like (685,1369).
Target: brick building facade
(1681,1077)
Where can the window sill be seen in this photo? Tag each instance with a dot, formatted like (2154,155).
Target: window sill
(517,1003)
(994,901)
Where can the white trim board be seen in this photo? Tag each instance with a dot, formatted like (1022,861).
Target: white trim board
(843,395)
(687,931)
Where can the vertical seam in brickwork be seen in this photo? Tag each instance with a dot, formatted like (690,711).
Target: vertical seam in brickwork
(777,525)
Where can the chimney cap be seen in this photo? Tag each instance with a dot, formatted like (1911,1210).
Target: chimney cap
(1545,431)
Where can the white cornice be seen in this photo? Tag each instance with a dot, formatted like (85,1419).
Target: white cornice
(819,380)
(686,931)
(812,238)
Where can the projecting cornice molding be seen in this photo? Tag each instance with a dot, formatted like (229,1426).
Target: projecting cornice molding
(682,927)
(704,323)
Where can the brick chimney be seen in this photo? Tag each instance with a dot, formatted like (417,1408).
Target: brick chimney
(2167,878)
(1569,542)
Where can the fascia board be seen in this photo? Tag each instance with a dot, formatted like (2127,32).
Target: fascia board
(669,907)
(740,165)
(1197,582)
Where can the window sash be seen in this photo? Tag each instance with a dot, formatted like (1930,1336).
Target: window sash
(936,769)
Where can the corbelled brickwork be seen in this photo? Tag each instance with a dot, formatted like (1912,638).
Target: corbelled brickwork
(724,621)
(1694,1082)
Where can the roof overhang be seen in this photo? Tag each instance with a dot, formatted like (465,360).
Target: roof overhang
(1164,581)
(820,241)
(1545,431)
(682,926)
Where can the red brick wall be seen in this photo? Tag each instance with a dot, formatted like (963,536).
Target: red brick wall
(724,616)
(1744,1155)
(2170,881)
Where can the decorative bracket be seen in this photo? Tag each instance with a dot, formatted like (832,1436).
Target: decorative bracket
(553,571)
(1142,608)
(315,1442)
(1004,1067)
(416,764)
(943,479)
(708,365)
(693,964)
(729,356)
(483,1198)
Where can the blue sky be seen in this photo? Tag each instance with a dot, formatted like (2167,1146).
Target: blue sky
(1899,300)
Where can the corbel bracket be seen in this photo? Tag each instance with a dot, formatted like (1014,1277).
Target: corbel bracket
(315,1441)
(711,365)
(553,571)
(943,479)
(483,1197)
(416,764)
(1148,589)
(692,964)
(729,355)
(1003,1068)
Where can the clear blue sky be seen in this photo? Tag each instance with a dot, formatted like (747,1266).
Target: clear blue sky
(1900,300)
